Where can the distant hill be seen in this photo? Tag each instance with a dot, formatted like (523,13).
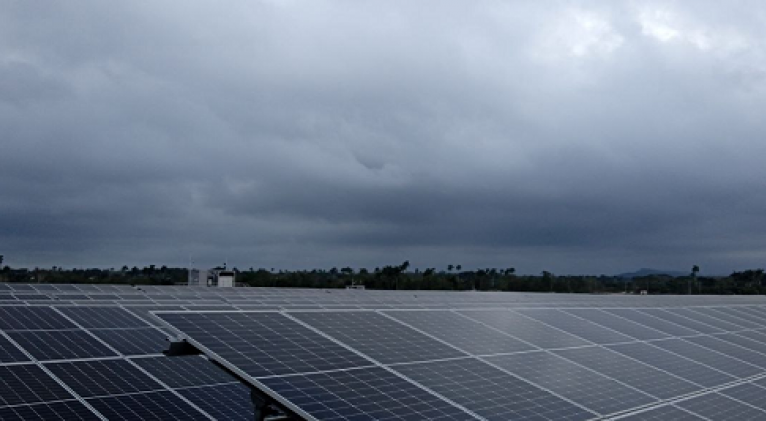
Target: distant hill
(648,271)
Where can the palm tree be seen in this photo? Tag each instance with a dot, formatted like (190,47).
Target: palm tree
(695,270)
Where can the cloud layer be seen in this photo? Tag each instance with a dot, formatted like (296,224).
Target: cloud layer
(576,137)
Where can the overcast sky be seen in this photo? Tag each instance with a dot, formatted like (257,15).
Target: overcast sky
(569,136)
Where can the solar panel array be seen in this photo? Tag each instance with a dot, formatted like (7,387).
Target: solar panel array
(95,352)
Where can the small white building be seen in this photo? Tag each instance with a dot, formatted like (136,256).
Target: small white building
(212,278)
(225,278)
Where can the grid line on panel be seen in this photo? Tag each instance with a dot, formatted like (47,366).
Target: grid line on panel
(60,345)
(669,362)
(618,324)
(720,407)
(726,315)
(525,329)
(388,369)
(45,411)
(729,349)
(184,371)
(10,351)
(263,343)
(665,314)
(653,322)
(497,367)
(148,401)
(589,388)
(749,393)
(133,341)
(103,378)
(708,356)
(47,375)
(755,316)
(95,317)
(492,392)
(702,315)
(650,380)
(222,401)
(14,318)
(660,413)
(577,326)
(378,336)
(738,339)
(364,393)
(465,334)
(150,405)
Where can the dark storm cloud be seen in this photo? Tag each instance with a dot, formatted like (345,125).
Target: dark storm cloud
(570,136)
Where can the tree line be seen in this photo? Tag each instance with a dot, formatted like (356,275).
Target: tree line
(404,277)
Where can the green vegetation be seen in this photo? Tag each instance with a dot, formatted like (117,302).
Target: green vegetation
(402,277)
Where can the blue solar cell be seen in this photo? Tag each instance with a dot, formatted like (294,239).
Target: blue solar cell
(223,402)
(60,345)
(103,377)
(264,344)
(10,353)
(28,318)
(462,332)
(378,337)
(24,384)
(65,411)
(663,413)
(184,371)
(491,393)
(102,317)
(140,341)
(146,406)
(362,394)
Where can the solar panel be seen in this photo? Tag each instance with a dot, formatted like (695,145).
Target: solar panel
(461,332)
(162,405)
(10,353)
(223,402)
(575,326)
(103,377)
(491,393)
(730,349)
(744,342)
(263,344)
(680,319)
(366,393)
(184,371)
(102,317)
(663,413)
(653,322)
(528,330)
(702,315)
(65,411)
(60,344)
(674,364)
(618,324)
(626,370)
(596,392)
(749,393)
(642,359)
(378,337)
(30,318)
(715,406)
(141,341)
(728,317)
(24,384)
(732,366)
